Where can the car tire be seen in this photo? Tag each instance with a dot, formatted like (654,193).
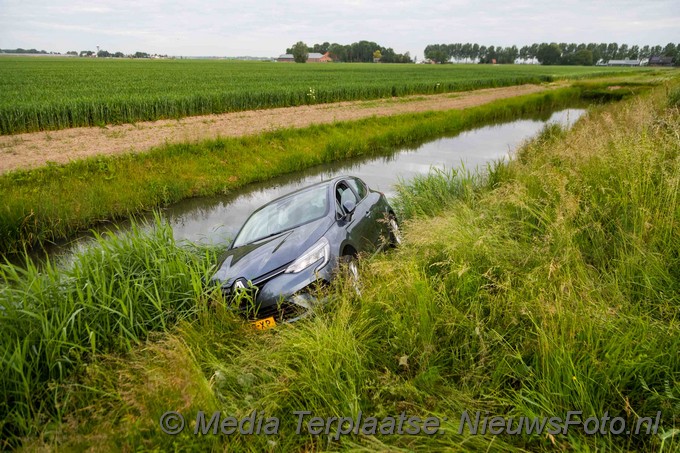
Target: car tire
(395,233)
(350,267)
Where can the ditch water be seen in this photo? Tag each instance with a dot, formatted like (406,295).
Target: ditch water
(216,220)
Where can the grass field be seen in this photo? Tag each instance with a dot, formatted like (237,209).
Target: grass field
(548,286)
(48,94)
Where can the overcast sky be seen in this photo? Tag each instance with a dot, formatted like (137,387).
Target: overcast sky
(267,27)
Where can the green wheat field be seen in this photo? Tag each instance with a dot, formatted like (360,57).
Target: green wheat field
(57,93)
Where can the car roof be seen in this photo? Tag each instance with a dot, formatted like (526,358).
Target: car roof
(327,182)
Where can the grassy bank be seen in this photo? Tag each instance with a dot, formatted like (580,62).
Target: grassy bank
(549,286)
(54,202)
(57,93)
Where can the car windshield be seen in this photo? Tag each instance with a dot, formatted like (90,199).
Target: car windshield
(284,214)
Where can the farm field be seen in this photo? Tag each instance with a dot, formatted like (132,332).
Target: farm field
(50,94)
(35,149)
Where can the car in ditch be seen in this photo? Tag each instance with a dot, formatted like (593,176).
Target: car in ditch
(298,241)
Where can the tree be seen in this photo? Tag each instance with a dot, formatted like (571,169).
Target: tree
(669,50)
(362,51)
(645,52)
(321,48)
(482,53)
(549,54)
(475,52)
(466,51)
(612,49)
(490,56)
(377,55)
(507,55)
(524,52)
(300,52)
(338,52)
(582,58)
(403,58)
(437,52)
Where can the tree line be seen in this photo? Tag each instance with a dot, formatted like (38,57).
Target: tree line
(549,53)
(107,54)
(31,51)
(82,53)
(357,52)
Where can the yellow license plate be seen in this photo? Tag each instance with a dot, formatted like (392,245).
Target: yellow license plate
(263,324)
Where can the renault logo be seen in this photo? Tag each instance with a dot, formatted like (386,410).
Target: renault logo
(240,284)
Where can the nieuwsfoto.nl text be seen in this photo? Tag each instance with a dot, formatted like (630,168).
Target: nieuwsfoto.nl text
(477,423)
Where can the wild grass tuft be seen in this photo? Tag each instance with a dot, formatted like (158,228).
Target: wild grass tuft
(108,299)
(674,98)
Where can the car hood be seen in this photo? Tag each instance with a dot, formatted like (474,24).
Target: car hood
(256,259)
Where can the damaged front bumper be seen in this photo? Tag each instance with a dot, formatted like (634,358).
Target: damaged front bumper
(280,296)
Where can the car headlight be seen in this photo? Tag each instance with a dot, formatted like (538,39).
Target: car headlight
(320,251)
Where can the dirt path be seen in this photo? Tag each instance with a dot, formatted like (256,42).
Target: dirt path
(30,150)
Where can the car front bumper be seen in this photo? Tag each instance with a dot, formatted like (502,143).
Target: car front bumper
(284,296)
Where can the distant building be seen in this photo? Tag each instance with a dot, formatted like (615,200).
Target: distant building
(313,57)
(623,63)
(319,58)
(660,61)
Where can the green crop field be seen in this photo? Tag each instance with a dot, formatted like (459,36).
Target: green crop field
(57,93)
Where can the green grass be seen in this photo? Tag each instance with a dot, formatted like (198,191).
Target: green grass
(54,202)
(550,285)
(108,299)
(47,94)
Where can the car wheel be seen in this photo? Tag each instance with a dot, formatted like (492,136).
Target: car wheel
(395,234)
(351,268)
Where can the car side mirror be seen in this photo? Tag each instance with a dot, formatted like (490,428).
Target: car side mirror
(349,206)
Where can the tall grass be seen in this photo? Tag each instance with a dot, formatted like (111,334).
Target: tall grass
(108,299)
(42,94)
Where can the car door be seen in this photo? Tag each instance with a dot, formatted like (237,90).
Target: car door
(361,228)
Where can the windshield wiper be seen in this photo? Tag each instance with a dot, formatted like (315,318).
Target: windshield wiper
(267,236)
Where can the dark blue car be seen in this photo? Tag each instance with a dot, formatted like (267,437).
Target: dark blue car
(298,241)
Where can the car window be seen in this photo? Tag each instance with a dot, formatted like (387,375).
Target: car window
(284,214)
(358,186)
(344,193)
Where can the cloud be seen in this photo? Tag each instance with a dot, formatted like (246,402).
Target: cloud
(267,27)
